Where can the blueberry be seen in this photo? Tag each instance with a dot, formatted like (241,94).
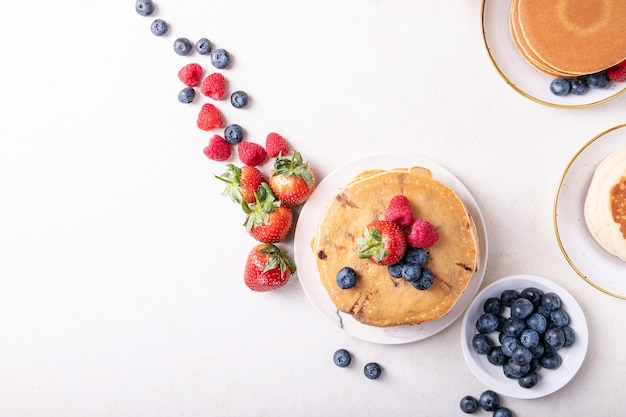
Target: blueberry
(144,7)
(513,370)
(395,270)
(346,278)
(521,308)
(416,256)
(183,46)
(560,86)
(542,310)
(487,323)
(220,58)
(493,305)
(502,412)
(469,404)
(538,351)
(411,272)
(481,344)
(598,80)
(425,280)
(537,322)
(158,27)
(508,345)
(496,357)
(186,95)
(554,337)
(489,400)
(513,327)
(529,338)
(233,134)
(508,296)
(528,381)
(533,294)
(203,46)
(342,358)
(551,301)
(372,370)
(550,360)
(579,86)
(570,336)
(239,99)
(559,318)
(522,356)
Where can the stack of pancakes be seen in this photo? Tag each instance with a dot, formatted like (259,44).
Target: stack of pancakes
(569,38)
(605,204)
(378,299)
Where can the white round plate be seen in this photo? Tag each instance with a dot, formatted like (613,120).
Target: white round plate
(519,74)
(307,267)
(596,266)
(550,380)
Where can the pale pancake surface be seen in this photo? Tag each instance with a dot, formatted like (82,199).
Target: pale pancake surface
(378,299)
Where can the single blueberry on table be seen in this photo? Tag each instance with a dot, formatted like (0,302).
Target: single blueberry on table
(186,95)
(508,296)
(493,305)
(239,99)
(346,278)
(579,86)
(233,134)
(220,58)
(158,27)
(395,270)
(183,46)
(416,256)
(411,272)
(481,344)
(521,308)
(372,370)
(489,400)
(529,380)
(144,7)
(559,318)
(487,323)
(469,404)
(560,86)
(342,358)
(425,280)
(502,412)
(203,46)
(598,80)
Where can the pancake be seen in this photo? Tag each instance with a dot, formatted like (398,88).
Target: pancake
(574,37)
(605,204)
(378,299)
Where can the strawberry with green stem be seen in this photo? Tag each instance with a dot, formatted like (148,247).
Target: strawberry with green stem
(241,183)
(292,180)
(268,220)
(267,268)
(383,242)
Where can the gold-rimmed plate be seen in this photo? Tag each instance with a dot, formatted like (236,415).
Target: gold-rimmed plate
(520,75)
(599,268)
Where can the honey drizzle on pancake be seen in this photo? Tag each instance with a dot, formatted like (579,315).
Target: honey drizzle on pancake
(618,205)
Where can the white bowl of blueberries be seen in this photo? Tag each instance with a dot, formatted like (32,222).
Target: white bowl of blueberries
(524,336)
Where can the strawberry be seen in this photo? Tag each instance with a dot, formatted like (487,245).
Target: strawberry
(241,183)
(276,145)
(209,117)
(422,234)
(292,180)
(383,243)
(190,74)
(617,73)
(214,86)
(217,149)
(268,220)
(251,153)
(267,268)
(399,211)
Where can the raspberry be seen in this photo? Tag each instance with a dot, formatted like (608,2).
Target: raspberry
(422,234)
(217,149)
(275,144)
(251,154)
(190,74)
(617,73)
(399,211)
(209,117)
(214,86)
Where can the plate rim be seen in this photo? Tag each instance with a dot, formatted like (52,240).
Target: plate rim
(521,91)
(556,204)
(388,335)
(539,281)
